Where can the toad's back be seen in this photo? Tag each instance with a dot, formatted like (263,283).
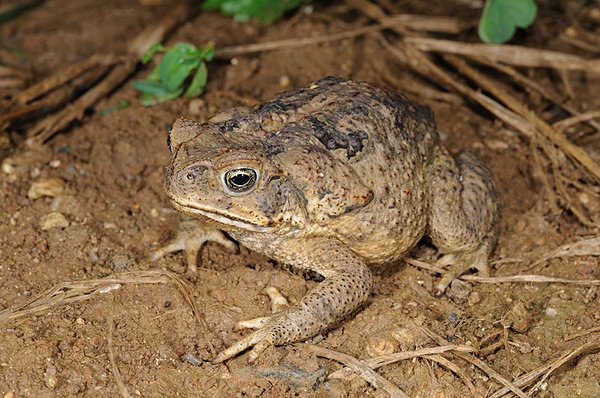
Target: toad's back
(386,140)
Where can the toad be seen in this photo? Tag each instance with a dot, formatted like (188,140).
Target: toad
(329,178)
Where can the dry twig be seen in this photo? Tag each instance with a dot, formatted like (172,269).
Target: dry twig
(505,279)
(551,368)
(562,125)
(509,54)
(380,361)
(111,353)
(479,364)
(366,373)
(457,371)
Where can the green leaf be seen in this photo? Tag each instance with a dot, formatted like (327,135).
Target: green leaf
(501,18)
(122,104)
(198,82)
(150,87)
(175,67)
(157,94)
(267,11)
(156,47)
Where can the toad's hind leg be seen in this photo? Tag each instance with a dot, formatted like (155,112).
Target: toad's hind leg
(464,214)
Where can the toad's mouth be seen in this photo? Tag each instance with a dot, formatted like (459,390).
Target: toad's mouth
(219,217)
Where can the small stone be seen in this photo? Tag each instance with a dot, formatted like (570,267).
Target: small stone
(53,220)
(50,377)
(551,311)
(54,163)
(154,213)
(284,81)
(80,321)
(378,346)
(474,298)
(519,317)
(46,187)
(8,166)
(196,105)
(9,394)
(109,225)
(122,260)
(458,291)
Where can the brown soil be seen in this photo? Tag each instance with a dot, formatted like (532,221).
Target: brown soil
(112,166)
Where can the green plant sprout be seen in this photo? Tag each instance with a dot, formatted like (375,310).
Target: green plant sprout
(168,79)
(267,11)
(501,18)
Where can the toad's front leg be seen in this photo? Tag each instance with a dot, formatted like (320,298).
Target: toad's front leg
(191,235)
(347,284)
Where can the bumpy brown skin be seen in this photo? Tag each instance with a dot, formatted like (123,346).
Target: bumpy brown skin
(347,175)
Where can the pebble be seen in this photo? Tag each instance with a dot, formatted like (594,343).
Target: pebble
(46,187)
(196,105)
(53,220)
(122,260)
(8,166)
(284,81)
(9,394)
(192,359)
(474,298)
(519,317)
(551,311)
(378,346)
(50,377)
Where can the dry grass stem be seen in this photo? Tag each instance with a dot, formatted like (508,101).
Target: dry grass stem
(286,44)
(584,247)
(63,76)
(582,117)
(585,349)
(111,353)
(526,82)
(517,106)
(457,371)
(365,372)
(505,279)
(73,292)
(49,126)
(581,334)
(491,373)
(416,22)
(551,368)
(377,362)
(509,54)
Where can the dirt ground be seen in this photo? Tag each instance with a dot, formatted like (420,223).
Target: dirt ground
(112,167)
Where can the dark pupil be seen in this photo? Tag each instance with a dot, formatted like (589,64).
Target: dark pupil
(240,179)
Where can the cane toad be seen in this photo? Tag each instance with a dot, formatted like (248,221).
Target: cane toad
(330,178)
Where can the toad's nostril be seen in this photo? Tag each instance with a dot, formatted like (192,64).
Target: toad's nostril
(192,173)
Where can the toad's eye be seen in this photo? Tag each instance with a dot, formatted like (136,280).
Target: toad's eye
(240,180)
